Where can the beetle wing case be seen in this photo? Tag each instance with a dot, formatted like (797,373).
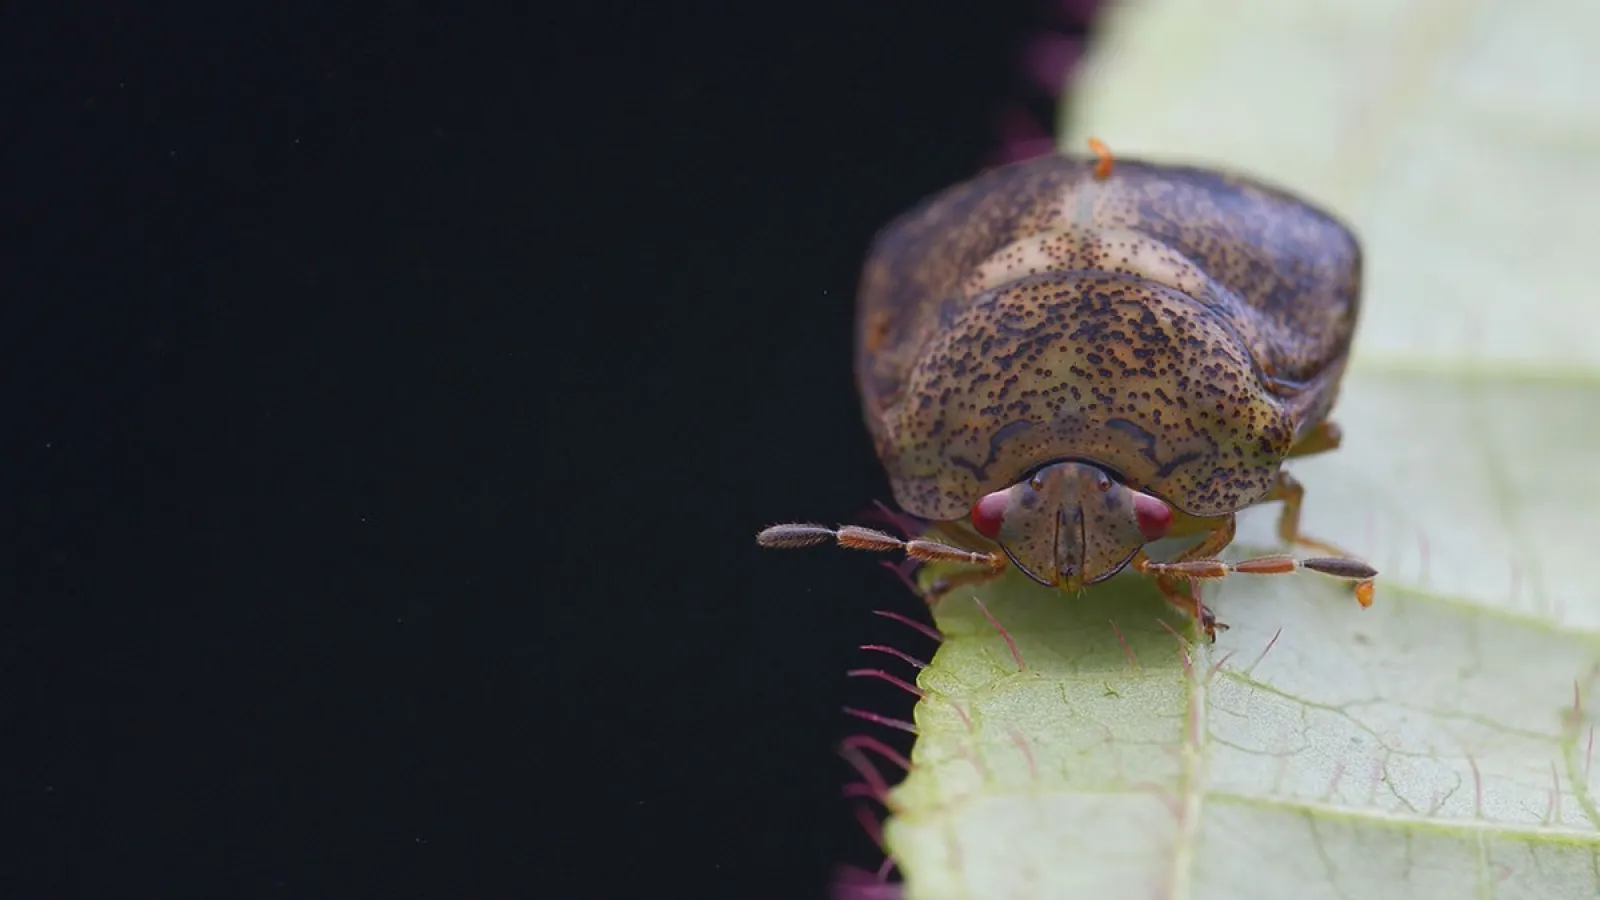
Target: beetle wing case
(1178,326)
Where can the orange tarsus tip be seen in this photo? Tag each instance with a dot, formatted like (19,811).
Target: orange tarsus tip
(1103,163)
(1364,594)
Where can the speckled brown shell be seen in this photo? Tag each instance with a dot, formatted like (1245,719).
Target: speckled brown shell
(1178,326)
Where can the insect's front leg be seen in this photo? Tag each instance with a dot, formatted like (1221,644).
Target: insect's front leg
(1182,592)
(1184,595)
(947,583)
(1215,541)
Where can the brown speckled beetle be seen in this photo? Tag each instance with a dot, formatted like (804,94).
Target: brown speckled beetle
(1063,360)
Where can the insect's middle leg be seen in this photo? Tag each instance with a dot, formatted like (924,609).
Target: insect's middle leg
(1325,436)
(1322,437)
(1292,494)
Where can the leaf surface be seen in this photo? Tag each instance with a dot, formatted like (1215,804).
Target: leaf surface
(1440,743)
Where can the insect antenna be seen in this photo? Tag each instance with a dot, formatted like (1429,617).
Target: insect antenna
(1333,566)
(856,537)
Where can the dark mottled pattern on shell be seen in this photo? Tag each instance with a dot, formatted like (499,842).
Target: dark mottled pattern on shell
(1179,326)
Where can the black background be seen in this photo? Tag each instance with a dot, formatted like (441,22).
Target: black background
(392,394)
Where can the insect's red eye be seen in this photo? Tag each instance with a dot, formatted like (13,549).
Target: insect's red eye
(1154,517)
(988,514)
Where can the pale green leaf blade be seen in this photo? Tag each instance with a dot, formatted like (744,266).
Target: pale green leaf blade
(1439,743)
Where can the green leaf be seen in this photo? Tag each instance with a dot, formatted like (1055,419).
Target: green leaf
(1438,744)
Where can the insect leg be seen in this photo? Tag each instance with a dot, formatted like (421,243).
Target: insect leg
(952,535)
(948,583)
(1185,596)
(1197,561)
(946,532)
(1289,490)
(1212,544)
(1182,592)
(1324,436)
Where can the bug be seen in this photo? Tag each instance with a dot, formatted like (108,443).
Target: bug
(1066,359)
